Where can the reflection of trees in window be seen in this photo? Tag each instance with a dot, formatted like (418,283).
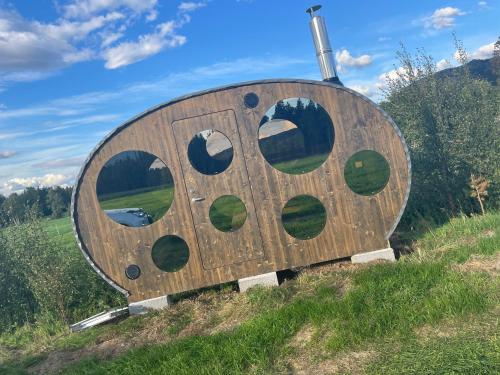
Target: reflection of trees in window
(202,161)
(314,134)
(132,170)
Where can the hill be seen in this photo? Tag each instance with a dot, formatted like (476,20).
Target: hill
(435,310)
(479,69)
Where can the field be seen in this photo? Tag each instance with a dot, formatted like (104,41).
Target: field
(434,311)
(61,229)
(155,202)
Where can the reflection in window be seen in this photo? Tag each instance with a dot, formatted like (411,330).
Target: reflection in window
(367,172)
(210,152)
(228,213)
(296,135)
(170,253)
(135,188)
(303,217)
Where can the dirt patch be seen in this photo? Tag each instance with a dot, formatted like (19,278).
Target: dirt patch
(232,313)
(488,233)
(478,263)
(352,362)
(303,337)
(444,330)
(310,356)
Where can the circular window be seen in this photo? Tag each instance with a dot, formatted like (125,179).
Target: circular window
(251,100)
(296,135)
(133,272)
(170,253)
(367,172)
(303,217)
(210,152)
(135,188)
(228,213)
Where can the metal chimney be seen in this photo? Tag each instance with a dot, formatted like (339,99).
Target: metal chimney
(322,44)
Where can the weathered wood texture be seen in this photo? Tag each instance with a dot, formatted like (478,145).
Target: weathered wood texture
(355,223)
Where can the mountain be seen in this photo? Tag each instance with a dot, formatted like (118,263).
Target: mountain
(487,70)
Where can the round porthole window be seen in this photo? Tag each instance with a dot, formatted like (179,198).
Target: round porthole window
(303,217)
(228,213)
(367,172)
(251,100)
(133,272)
(170,253)
(210,152)
(296,135)
(135,188)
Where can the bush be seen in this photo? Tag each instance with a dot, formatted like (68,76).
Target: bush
(44,277)
(451,125)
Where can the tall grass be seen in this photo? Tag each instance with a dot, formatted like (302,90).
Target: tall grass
(43,279)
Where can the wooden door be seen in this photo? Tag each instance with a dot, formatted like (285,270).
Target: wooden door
(206,182)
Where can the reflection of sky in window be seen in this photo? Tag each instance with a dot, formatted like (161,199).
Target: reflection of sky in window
(217,142)
(157,164)
(275,127)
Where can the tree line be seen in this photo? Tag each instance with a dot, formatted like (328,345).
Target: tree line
(53,202)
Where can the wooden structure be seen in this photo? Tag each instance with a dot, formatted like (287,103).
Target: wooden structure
(355,223)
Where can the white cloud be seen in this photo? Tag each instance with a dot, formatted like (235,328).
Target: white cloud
(483,52)
(19,184)
(344,58)
(386,77)
(109,38)
(7,154)
(147,45)
(482,4)
(442,18)
(152,16)
(190,6)
(61,163)
(86,8)
(32,50)
(443,64)
(366,90)
(88,30)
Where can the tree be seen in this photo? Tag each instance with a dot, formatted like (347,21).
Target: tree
(56,202)
(451,125)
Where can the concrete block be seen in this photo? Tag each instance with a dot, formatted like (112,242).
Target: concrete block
(266,279)
(142,307)
(384,254)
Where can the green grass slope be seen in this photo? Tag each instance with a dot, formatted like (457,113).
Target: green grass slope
(434,311)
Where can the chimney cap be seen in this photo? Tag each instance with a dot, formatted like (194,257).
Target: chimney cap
(313,9)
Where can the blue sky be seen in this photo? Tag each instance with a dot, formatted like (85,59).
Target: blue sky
(71,71)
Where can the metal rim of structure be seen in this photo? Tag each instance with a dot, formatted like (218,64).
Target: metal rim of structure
(74,215)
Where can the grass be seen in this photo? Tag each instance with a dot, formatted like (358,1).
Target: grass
(155,202)
(301,165)
(60,229)
(431,312)
(304,217)
(170,253)
(367,172)
(228,213)
(471,349)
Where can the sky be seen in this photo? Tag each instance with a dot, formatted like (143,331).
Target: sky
(73,70)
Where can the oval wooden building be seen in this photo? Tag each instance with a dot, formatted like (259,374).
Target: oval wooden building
(240,181)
